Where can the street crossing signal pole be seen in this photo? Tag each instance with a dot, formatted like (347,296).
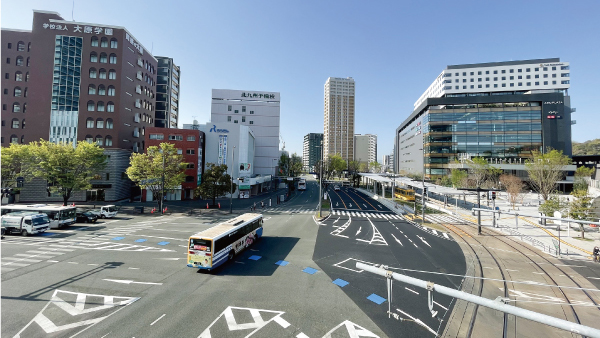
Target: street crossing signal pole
(478,212)
(321,179)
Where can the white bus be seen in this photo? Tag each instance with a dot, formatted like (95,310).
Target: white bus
(214,246)
(59,215)
(302,184)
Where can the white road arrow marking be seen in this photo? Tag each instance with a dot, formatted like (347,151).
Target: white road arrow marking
(350,204)
(337,204)
(379,205)
(423,240)
(365,205)
(358,232)
(397,240)
(124,281)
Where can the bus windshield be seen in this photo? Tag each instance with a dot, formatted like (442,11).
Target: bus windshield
(66,214)
(200,244)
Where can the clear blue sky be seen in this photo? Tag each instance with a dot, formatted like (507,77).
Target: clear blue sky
(393,49)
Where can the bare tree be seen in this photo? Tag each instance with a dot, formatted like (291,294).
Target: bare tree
(545,170)
(514,188)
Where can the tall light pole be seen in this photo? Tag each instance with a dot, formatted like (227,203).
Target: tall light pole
(321,179)
(423,191)
(231,185)
(162,199)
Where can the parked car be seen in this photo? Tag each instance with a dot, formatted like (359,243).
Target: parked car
(85,217)
(336,187)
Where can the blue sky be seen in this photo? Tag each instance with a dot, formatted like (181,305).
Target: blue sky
(392,49)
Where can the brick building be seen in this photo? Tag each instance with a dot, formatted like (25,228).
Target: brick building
(190,144)
(91,82)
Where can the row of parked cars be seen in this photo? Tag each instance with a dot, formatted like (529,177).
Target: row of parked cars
(86,215)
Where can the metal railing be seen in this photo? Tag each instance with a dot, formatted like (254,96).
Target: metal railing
(498,304)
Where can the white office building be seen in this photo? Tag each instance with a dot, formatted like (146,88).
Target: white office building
(338,120)
(258,110)
(365,148)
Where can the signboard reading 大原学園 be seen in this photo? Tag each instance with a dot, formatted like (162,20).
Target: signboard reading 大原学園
(258,96)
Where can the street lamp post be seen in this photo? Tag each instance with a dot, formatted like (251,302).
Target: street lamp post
(231,185)
(162,197)
(321,179)
(423,191)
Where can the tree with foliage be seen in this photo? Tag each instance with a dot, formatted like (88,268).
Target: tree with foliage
(295,165)
(337,164)
(514,188)
(64,167)
(375,167)
(552,204)
(590,147)
(147,170)
(581,207)
(482,172)
(354,172)
(13,159)
(284,164)
(458,178)
(580,178)
(545,170)
(215,183)
(363,167)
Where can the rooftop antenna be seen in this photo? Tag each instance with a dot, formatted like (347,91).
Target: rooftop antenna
(72,10)
(152,48)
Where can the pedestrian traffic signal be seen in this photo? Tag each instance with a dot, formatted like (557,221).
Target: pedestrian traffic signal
(493,195)
(425,190)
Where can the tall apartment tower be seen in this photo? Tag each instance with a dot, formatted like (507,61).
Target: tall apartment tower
(365,148)
(338,124)
(311,150)
(67,81)
(167,93)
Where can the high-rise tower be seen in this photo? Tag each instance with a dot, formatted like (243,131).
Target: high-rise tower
(338,121)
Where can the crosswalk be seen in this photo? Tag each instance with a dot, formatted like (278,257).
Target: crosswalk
(31,257)
(287,210)
(365,214)
(445,219)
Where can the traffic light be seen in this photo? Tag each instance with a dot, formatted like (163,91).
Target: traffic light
(7,191)
(425,190)
(493,195)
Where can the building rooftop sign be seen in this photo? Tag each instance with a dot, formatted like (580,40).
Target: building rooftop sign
(258,96)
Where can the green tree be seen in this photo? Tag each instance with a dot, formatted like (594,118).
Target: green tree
(581,207)
(354,171)
(580,178)
(458,178)
(482,172)
(284,164)
(364,167)
(337,164)
(295,165)
(552,204)
(13,159)
(64,167)
(590,147)
(215,183)
(545,170)
(375,167)
(147,170)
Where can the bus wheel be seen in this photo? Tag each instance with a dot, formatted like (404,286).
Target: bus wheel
(24,233)
(231,254)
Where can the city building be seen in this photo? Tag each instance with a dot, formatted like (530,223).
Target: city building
(90,82)
(311,151)
(167,93)
(338,121)
(235,146)
(501,111)
(189,144)
(260,111)
(386,163)
(365,148)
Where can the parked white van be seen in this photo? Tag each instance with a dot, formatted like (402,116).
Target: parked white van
(25,223)
(105,211)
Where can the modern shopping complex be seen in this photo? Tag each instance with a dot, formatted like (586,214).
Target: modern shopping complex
(501,111)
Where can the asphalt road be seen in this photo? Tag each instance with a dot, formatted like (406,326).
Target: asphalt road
(361,229)
(127,277)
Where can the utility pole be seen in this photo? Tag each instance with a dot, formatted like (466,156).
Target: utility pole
(231,185)
(423,191)
(321,179)
(162,187)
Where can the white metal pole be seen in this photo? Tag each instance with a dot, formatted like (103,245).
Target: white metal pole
(492,304)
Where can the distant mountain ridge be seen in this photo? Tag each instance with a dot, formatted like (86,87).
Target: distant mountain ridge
(590,147)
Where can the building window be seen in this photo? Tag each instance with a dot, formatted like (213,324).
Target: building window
(136,117)
(228,108)
(99,140)
(464,87)
(103,58)
(93,73)
(191,138)
(190,166)
(136,132)
(512,84)
(19,61)
(487,85)
(252,122)
(110,107)
(472,73)
(113,58)
(228,118)
(113,43)
(112,74)
(190,152)
(472,80)
(157,136)
(17,92)
(101,90)
(18,76)
(8,60)
(9,45)
(520,77)
(243,109)
(91,106)
(553,82)
(15,124)
(109,124)
(528,77)
(529,83)
(94,41)
(104,42)
(511,71)
(175,137)
(89,122)
(503,71)
(244,117)
(189,179)
(545,75)
(565,82)
(512,78)
(111,91)
(7,76)
(495,85)
(99,123)
(537,83)
(520,84)
(251,112)
(93,57)
(100,106)
(235,121)
(504,85)
(91,90)
(14,139)
(236,111)
(179,151)
(102,73)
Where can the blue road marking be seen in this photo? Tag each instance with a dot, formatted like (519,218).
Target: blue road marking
(47,233)
(140,240)
(255,257)
(376,299)
(282,263)
(340,282)
(117,238)
(163,243)
(310,271)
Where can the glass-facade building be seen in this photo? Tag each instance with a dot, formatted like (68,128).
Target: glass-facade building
(504,127)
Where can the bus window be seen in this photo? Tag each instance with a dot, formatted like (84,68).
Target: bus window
(200,244)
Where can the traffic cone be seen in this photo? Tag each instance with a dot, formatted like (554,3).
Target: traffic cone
(152,211)
(165,209)
(219,205)
(206,205)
